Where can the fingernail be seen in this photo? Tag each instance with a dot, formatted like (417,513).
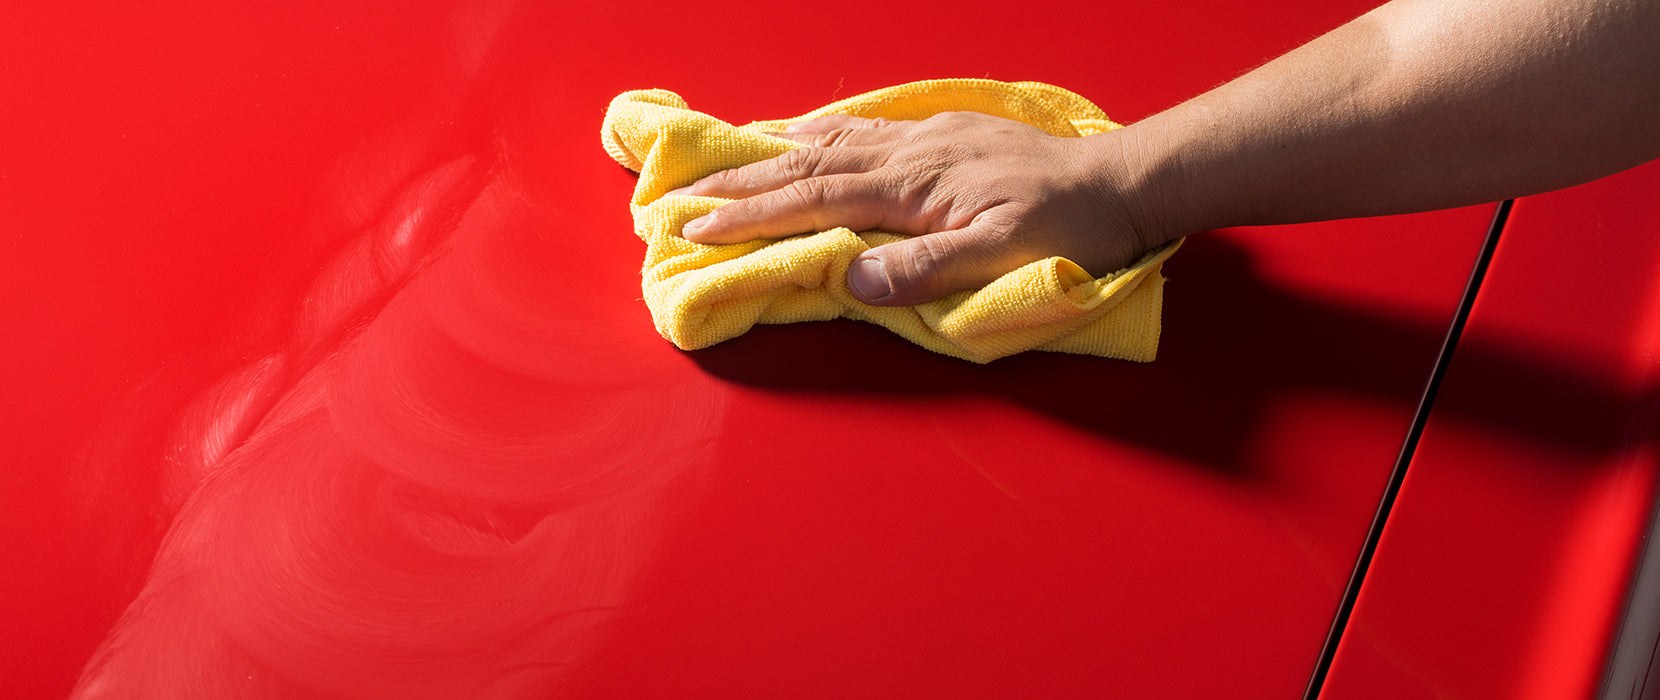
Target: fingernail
(678,191)
(868,278)
(694,226)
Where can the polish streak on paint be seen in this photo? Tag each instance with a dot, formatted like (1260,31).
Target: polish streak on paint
(439,487)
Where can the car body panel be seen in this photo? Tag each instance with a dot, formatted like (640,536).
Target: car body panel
(1526,502)
(328,368)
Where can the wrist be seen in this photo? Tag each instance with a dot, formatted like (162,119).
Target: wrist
(1140,167)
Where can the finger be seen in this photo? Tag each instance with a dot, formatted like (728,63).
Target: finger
(848,137)
(832,122)
(845,130)
(773,173)
(929,267)
(859,201)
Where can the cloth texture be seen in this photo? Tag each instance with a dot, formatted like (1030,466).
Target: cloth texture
(700,295)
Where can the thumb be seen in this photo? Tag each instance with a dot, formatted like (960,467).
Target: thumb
(925,268)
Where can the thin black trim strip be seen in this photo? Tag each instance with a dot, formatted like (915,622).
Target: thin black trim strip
(1398,475)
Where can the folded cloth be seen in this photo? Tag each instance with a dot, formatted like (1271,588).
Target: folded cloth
(700,295)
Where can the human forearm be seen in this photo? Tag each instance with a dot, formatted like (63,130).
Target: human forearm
(1420,104)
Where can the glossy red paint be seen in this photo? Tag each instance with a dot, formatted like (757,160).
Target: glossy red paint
(1521,516)
(344,301)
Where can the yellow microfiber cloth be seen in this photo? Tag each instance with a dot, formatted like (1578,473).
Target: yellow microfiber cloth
(700,295)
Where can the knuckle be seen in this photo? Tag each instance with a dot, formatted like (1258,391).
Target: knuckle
(841,137)
(808,195)
(798,163)
(927,260)
(815,202)
(949,120)
(717,181)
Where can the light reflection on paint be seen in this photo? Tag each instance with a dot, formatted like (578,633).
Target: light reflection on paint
(442,485)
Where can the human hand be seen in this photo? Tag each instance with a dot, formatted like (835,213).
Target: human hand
(980,195)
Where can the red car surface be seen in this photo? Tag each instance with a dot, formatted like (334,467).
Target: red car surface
(326,375)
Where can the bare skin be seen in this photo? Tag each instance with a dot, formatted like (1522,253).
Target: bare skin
(1417,105)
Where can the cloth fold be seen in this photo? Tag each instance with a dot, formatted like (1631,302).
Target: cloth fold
(700,295)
